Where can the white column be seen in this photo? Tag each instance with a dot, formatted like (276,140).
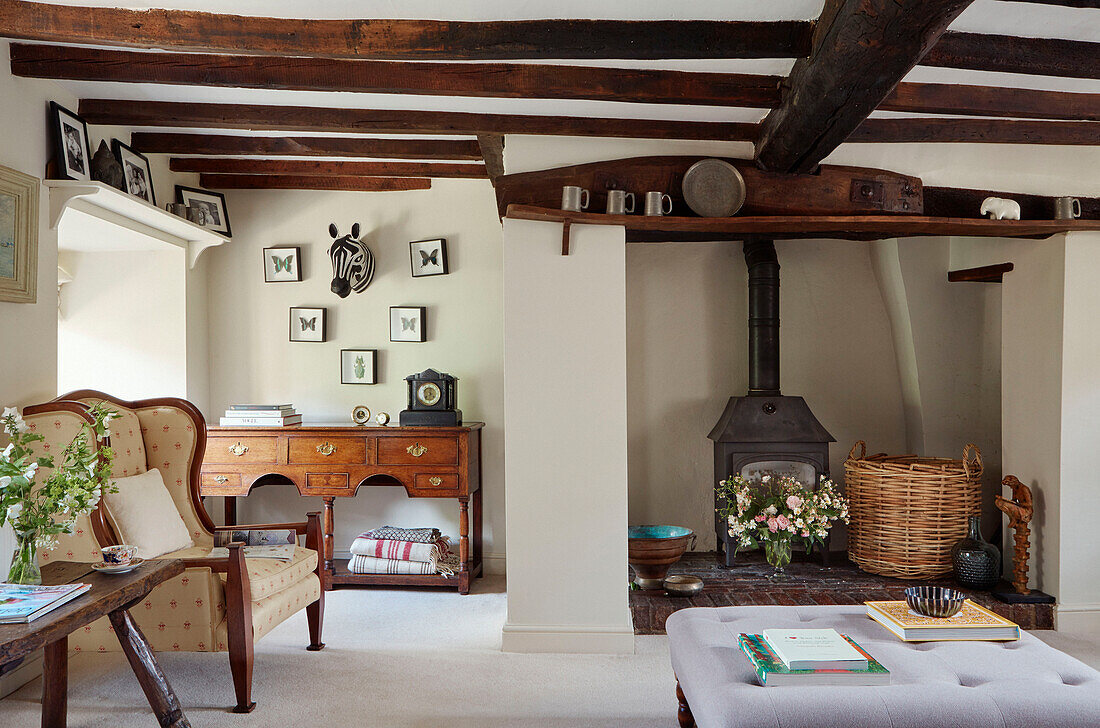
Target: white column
(566,439)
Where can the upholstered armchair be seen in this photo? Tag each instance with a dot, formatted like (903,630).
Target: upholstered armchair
(217,604)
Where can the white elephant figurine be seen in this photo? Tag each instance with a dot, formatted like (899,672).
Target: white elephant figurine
(998,208)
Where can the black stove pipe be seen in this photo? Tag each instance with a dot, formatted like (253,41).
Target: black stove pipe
(763,268)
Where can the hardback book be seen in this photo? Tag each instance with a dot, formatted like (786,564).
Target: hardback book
(256,537)
(973,622)
(773,673)
(260,421)
(22,603)
(260,413)
(284,552)
(254,407)
(814,649)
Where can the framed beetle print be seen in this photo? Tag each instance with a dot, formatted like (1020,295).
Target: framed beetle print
(358,366)
(308,324)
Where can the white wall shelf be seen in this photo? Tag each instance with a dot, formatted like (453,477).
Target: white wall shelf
(129,213)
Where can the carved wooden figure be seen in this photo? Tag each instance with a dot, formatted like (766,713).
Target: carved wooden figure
(1019,511)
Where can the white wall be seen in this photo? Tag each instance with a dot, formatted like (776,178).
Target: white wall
(123,325)
(566,407)
(251,359)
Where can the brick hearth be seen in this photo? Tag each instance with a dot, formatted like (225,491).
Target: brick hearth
(808,583)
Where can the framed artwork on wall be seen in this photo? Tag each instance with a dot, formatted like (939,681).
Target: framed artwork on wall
(73,152)
(282,265)
(136,174)
(359,366)
(212,204)
(407,323)
(308,324)
(428,257)
(18,236)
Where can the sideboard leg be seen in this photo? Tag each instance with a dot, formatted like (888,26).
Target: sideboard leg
(683,715)
(329,524)
(475,509)
(464,544)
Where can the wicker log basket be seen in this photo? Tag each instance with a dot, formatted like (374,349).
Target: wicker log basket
(908,511)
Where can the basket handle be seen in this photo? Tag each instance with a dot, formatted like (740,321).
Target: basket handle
(972,450)
(862,450)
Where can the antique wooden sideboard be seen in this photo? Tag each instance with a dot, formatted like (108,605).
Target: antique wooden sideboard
(334,461)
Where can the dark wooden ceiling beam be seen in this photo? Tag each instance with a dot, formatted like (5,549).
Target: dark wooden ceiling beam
(861,50)
(185,30)
(1064,3)
(981,131)
(1015,54)
(497,80)
(982,274)
(515,81)
(322,168)
(304,118)
(492,150)
(236,145)
(306,182)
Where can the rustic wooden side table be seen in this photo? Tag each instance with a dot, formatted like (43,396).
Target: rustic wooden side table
(110,595)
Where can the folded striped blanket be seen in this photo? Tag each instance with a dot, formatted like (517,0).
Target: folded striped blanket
(391,533)
(374,565)
(400,550)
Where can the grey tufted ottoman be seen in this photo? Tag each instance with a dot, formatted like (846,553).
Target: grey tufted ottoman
(1022,684)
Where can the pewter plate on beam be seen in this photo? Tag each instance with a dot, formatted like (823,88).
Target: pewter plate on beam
(714,188)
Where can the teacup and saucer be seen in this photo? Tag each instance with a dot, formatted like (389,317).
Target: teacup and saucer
(118,560)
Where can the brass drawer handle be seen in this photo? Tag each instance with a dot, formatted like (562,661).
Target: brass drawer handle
(221,479)
(436,481)
(416,450)
(238,449)
(326,448)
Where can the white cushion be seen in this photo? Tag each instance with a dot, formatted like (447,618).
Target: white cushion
(143,515)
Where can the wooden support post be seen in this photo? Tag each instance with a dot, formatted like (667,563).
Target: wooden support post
(144,664)
(55,684)
(329,524)
(238,592)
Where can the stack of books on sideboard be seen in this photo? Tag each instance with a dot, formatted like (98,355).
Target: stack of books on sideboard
(260,415)
(810,657)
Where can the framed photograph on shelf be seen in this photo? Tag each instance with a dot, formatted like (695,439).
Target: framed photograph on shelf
(358,366)
(73,152)
(282,265)
(212,205)
(308,324)
(18,237)
(428,257)
(135,171)
(407,323)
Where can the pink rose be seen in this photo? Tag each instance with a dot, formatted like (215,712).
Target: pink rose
(782,521)
(773,524)
(793,502)
(805,534)
(759,517)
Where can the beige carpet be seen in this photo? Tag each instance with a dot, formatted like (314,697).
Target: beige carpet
(421,659)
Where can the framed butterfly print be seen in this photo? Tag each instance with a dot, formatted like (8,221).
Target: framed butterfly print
(407,323)
(282,265)
(429,257)
(358,366)
(308,324)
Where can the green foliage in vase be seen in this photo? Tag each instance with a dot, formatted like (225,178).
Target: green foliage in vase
(79,476)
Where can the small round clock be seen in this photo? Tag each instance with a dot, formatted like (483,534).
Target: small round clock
(428,393)
(360,415)
(382,418)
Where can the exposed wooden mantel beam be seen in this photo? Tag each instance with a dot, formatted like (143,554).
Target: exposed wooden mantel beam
(304,118)
(1015,54)
(185,30)
(515,80)
(307,182)
(861,50)
(280,146)
(324,168)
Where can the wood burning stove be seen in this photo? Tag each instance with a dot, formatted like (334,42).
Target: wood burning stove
(764,430)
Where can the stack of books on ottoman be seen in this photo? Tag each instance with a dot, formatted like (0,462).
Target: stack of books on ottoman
(260,415)
(971,622)
(390,550)
(810,657)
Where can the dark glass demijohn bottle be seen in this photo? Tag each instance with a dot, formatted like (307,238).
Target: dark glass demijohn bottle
(977,562)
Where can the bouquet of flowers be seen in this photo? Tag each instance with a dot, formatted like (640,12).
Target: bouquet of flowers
(73,488)
(776,510)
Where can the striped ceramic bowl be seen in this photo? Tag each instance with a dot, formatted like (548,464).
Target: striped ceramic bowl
(934,601)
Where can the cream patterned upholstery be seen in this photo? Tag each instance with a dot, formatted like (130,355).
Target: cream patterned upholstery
(187,613)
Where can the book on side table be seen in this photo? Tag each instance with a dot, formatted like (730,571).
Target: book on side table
(972,622)
(773,673)
(22,603)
